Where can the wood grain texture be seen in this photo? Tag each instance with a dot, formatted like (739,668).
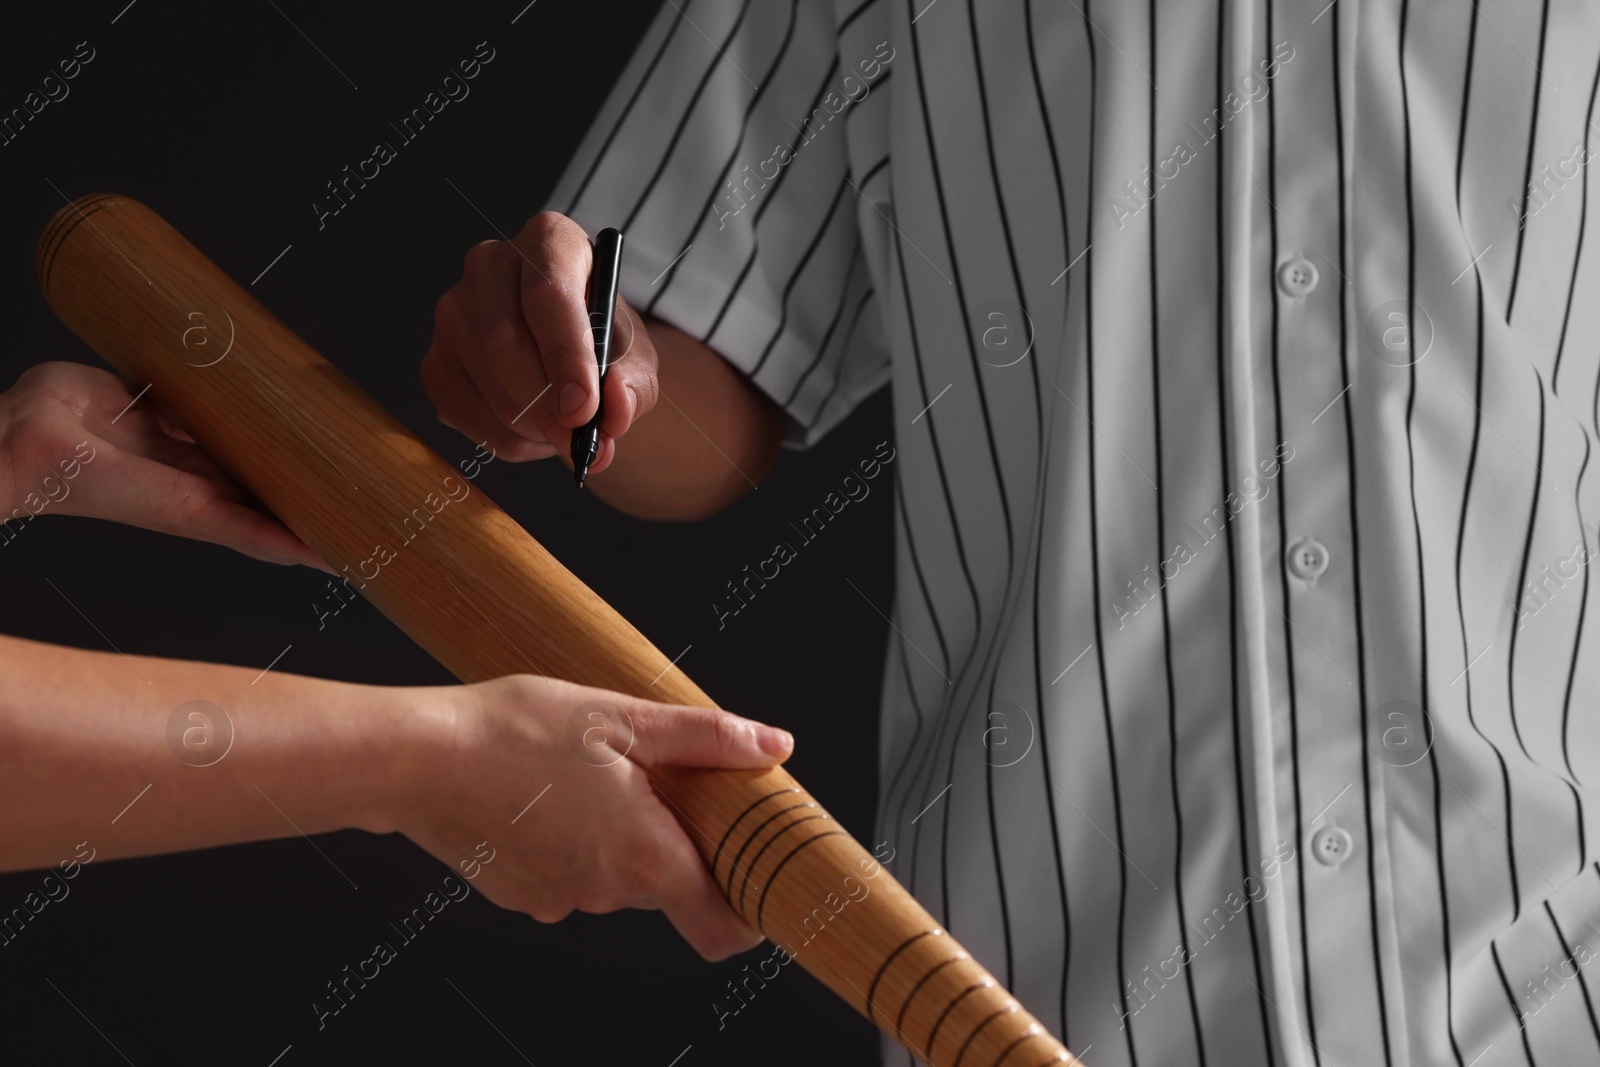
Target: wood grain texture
(483,597)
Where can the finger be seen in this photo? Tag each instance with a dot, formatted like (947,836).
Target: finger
(248,531)
(501,359)
(456,397)
(108,407)
(151,441)
(460,406)
(165,424)
(604,454)
(245,530)
(703,737)
(172,429)
(687,895)
(631,388)
(554,282)
(153,496)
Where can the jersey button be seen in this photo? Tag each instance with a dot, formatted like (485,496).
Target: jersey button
(1297,277)
(1332,845)
(1308,559)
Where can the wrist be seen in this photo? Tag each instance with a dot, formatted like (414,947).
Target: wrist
(404,749)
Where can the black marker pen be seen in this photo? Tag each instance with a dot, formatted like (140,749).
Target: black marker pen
(602,316)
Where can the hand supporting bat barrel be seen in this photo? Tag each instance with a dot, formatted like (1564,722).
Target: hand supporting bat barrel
(486,600)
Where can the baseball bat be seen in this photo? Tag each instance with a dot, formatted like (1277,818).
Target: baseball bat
(483,597)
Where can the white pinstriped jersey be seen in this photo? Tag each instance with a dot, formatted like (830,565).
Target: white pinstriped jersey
(1246,370)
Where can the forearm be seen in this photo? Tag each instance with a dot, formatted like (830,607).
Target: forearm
(711,438)
(85,754)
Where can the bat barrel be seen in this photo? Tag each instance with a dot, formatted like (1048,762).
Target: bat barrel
(417,538)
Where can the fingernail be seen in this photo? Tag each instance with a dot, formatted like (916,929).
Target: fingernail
(572,397)
(775,742)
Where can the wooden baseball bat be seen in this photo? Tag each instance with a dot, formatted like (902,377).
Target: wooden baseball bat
(484,598)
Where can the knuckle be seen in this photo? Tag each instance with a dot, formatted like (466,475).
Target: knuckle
(192,497)
(573,353)
(483,257)
(446,310)
(526,689)
(542,223)
(722,944)
(646,391)
(545,904)
(33,379)
(545,415)
(548,913)
(505,410)
(29,423)
(648,395)
(534,687)
(502,334)
(547,224)
(601,902)
(559,246)
(727,732)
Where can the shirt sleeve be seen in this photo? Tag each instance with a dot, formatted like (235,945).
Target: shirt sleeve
(724,155)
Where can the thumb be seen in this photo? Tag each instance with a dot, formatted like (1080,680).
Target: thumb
(704,737)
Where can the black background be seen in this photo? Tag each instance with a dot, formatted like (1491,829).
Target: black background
(226,120)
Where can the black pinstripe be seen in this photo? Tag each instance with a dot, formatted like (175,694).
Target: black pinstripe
(1533,139)
(1583,983)
(1527,1049)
